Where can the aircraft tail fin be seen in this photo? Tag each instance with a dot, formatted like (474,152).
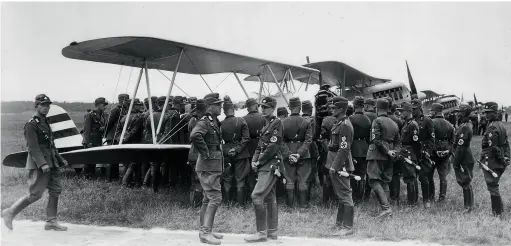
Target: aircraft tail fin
(65,132)
(410,80)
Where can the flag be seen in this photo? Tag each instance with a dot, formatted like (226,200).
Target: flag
(410,80)
(475,99)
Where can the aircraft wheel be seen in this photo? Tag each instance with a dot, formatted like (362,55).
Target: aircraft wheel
(78,170)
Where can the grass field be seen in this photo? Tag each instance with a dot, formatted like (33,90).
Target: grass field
(99,203)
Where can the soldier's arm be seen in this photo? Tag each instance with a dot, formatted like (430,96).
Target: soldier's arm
(112,119)
(33,145)
(429,143)
(87,128)
(308,140)
(397,142)
(493,142)
(376,137)
(344,151)
(245,136)
(273,146)
(197,138)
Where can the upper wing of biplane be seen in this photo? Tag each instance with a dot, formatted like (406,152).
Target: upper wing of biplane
(164,55)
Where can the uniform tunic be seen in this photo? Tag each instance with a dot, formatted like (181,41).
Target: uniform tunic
(427,140)
(463,158)
(409,145)
(93,128)
(235,135)
(384,137)
(495,148)
(362,129)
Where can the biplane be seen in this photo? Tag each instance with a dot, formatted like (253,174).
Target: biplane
(146,53)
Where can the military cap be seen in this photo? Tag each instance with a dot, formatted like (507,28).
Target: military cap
(269,102)
(212,98)
(416,103)
(464,108)
(294,102)
(123,97)
(282,111)
(358,101)
(227,103)
(491,106)
(177,100)
(137,102)
(100,100)
(249,102)
(325,87)
(382,103)
(306,105)
(192,100)
(405,106)
(42,98)
(340,102)
(350,110)
(437,107)
(200,105)
(161,99)
(370,101)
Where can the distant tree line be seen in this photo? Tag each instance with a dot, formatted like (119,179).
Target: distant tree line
(24,106)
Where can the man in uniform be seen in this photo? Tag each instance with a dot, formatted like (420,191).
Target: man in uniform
(427,139)
(282,113)
(297,159)
(266,161)
(171,166)
(43,163)
(196,191)
(361,128)
(326,127)
(482,125)
(147,135)
(133,135)
(385,144)
(495,154)
(410,146)
(314,152)
(506,115)
(206,138)
(340,160)
(255,122)
(475,122)
(370,112)
(93,129)
(114,118)
(395,184)
(463,161)
(444,139)
(235,135)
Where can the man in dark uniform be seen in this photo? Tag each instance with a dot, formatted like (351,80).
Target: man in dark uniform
(255,122)
(206,138)
(444,139)
(340,160)
(235,135)
(475,122)
(43,163)
(495,154)
(297,160)
(314,152)
(266,160)
(133,135)
(463,161)
(93,129)
(362,129)
(147,135)
(282,113)
(196,191)
(370,112)
(395,184)
(409,149)
(171,165)
(326,127)
(427,140)
(482,125)
(385,144)
(506,115)
(114,118)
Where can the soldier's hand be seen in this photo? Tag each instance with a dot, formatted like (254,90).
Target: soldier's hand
(392,153)
(254,166)
(232,152)
(64,163)
(45,168)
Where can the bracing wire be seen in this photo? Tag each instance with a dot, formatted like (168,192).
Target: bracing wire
(193,64)
(223,80)
(174,83)
(166,136)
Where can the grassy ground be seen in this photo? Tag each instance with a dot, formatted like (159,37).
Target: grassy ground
(99,203)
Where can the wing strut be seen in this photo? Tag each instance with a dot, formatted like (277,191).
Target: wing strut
(260,88)
(131,106)
(239,81)
(277,83)
(292,79)
(170,90)
(150,102)
(308,81)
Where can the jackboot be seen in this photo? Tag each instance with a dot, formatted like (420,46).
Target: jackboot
(468,199)
(385,206)
(290,198)
(339,221)
(443,191)
(226,194)
(240,196)
(410,194)
(416,184)
(431,190)
(155,178)
(303,198)
(425,195)
(349,214)
(202,212)
(272,219)
(496,205)
(207,237)
(9,213)
(395,188)
(326,194)
(53,225)
(260,235)
(209,217)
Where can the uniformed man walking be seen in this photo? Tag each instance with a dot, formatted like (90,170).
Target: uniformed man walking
(339,160)
(266,161)
(196,191)
(206,138)
(385,144)
(494,154)
(93,130)
(43,162)
(255,122)
(362,129)
(326,127)
(235,135)
(463,161)
(314,151)
(115,116)
(297,136)
(444,139)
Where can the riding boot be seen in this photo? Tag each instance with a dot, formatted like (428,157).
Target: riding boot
(206,236)
(303,198)
(395,188)
(290,198)
(410,194)
(443,191)
(382,199)
(326,194)
(431,185)
(227,194)
(260,235)
(349,214)
(272,219)
(126,179)
(416,197)
(468,199)
(496,205)
(309,189)
(240,196)
(339,221)
(9,213)
(155,177)
(354,187)
(425,194)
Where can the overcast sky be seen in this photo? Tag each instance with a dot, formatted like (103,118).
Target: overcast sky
(451,48)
